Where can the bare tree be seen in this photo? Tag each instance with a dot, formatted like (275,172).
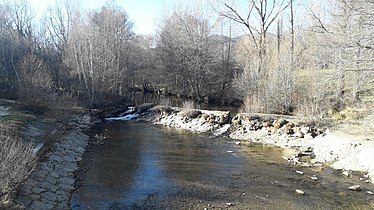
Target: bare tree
(264,12)
(98,51)
(196,62)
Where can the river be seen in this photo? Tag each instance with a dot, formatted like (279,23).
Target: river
(142,166)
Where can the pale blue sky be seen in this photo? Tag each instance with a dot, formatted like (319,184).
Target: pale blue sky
(144,13)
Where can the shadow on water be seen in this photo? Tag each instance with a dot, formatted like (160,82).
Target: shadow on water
(142,166)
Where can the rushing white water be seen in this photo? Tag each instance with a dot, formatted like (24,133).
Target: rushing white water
(125,116)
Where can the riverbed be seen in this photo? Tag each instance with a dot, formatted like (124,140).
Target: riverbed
(142,166)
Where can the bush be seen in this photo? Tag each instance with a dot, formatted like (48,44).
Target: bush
(17,160)
(164,102)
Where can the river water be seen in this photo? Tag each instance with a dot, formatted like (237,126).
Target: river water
(142,166)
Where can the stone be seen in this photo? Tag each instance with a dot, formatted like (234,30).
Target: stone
(37,190)
(370,192)
(307,165)
(300,192)
(67,187)
(230,151)
(347,173)
(70,167)
(50,180)
(49,196)
(55,175)
(300,172)
(355,188)
(45,185)
(317,165)
(55,158)
(298,134)
(34,197)
(68,181)
(266,124)
(314,178)
(69,158)
(40,174)
(304,130)
(279,123)
(229,204)
(38,205)
(48,204)
(53,189)
(192,114)
(62,205)
(238,143)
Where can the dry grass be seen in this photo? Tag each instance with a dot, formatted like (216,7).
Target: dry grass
(164,102)
(188,105)
(17,160)
(352,113)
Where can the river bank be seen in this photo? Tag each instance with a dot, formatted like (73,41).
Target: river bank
(305,143)
(59,151)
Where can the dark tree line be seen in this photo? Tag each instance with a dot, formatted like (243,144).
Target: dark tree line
(70,57)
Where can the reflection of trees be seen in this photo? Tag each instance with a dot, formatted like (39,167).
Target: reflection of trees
(189,158)
(112,165)
(119,157)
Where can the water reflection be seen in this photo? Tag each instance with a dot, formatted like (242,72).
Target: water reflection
(188,160)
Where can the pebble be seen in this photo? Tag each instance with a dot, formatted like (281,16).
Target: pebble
(306,165)
(229,204)
(314,178)
(300,172)
(238,143)
(347,173)
(300,192)
(355,188)
(370,192)
(230,151)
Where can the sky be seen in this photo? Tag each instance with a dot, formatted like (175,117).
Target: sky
(144,13)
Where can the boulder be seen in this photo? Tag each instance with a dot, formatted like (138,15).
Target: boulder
(267,124)
(236,121)
(279,123)
(305,130)
(190,113)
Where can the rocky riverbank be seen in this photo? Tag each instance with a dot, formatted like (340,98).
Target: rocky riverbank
(305,142)
(51,184)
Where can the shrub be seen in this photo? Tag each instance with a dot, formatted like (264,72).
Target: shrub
(164,102)
(17,160)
